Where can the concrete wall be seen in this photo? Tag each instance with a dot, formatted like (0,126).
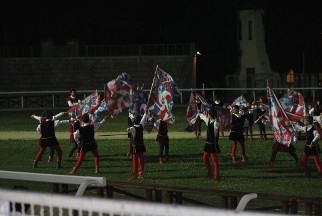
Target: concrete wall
(48,74)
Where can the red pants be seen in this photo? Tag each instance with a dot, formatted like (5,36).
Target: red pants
(71,135)
(138,158)
(316,160)
(214,158)
(242,148)
(43,149)
(82,156)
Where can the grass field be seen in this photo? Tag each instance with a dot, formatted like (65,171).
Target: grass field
(185,167)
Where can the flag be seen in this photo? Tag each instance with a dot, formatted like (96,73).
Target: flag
(100,108)
(118,94)
(278,119)
(293,102)
(240,101)
(160,100)
(192,110)
(204,103)
(224,117)
(87,105)
(138,100)
(295,117)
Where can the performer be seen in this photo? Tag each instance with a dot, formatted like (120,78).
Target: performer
(239,122)
(278,147)
(73,100)
(249,114)
(261,119)
(41,119)
(317,121)
(46,129)
(211,147)
(197,124)
(138,147)
(130,121)
(84,137)
(163,139)
(312,145)
(219,103)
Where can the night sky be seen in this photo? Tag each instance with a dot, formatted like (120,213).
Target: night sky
(291,29)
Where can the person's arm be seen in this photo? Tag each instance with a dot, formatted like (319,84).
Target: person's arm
(157,123)
(77,136)
(142,122)
(316,136)
(38,129)
(216,127)
(99,124)
(36,117)
(60,122)
(204,118)
(58,115)
(132,131)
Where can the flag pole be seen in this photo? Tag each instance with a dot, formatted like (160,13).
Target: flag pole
(155,73)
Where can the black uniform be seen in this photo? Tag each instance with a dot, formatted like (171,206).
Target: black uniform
(88,142)
(48,137)
(211,145)
(236,133)
(315,147)
(138,144)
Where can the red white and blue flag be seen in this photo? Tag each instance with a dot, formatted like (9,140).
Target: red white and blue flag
(163,90)
(293,102)
(192,110)
(101,108)
(205,106)
(138,100)
(278,119)
(118,94)
(240,101)
(224,117)
(87,105)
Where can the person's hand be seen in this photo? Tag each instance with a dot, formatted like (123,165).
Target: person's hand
(63,113)
(127,129)
(33,116)
(71,120)
(106,117)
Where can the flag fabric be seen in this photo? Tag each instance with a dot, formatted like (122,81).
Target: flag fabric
(138,100)
(293,102)
(295,117)
(100,108)
(204,103)
(192,110)
(118,94)
(240,101)
(160,100)
(278,119)
(224,117)
(87,105)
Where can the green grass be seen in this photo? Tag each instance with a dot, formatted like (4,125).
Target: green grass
(185,167)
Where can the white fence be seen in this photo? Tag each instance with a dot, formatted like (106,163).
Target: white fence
(31,203)
(58,98)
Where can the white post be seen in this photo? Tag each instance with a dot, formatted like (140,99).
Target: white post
(53,97)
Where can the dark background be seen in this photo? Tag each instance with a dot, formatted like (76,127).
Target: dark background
(293,30)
